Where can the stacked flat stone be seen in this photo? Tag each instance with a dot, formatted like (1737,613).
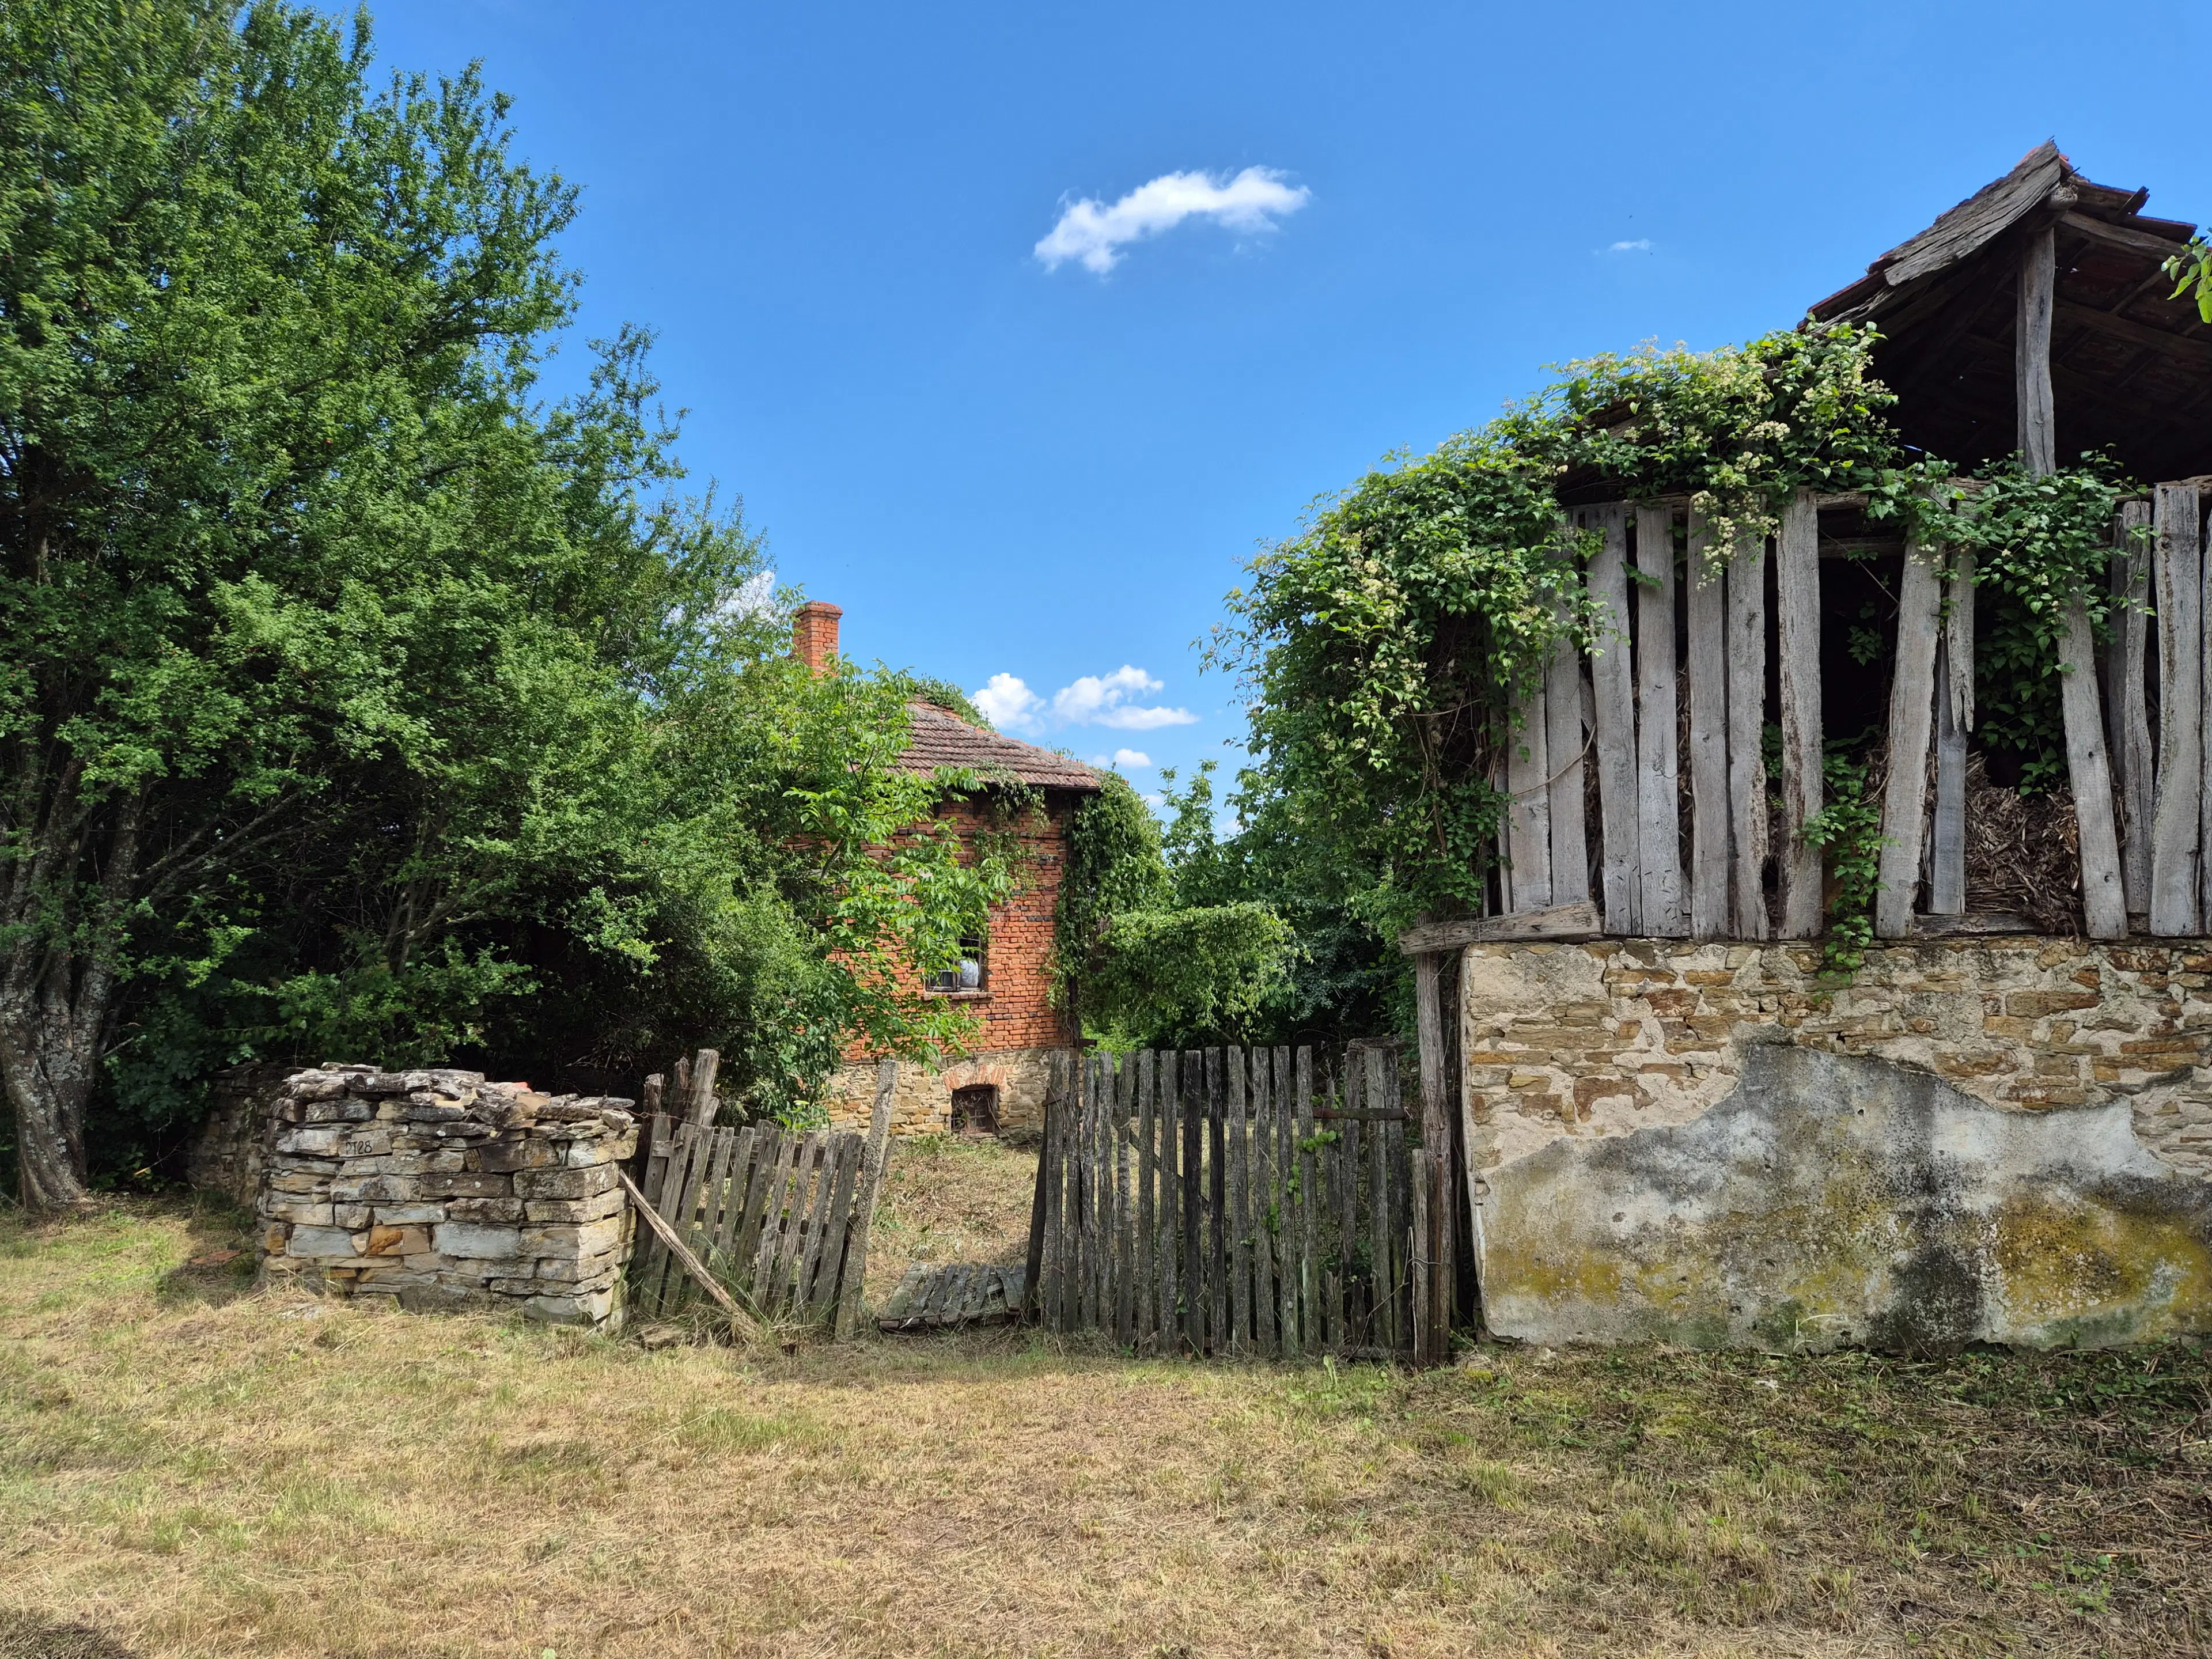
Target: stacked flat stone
(447,1192)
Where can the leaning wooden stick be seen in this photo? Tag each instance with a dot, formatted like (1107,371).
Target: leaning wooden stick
(741,1323)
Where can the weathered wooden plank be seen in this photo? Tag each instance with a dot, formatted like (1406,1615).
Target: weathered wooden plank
(1290,1250)
(780,1181)
(2037,419)
(819,1298)
(1613,719)
(1088,1196)
(854,1269)
(1033,1275)
(1658,786)
(1436,1139)
(660,1147)
(1217,1202)
(1911,717)
(1946,822)
(1746,746)
(707,1062)
(1311,1330)
(1380,1327)
(1987,214)
(711,1192)
(1148,1214)
(1565,745)
(681,1254)
(1528,873)
(2128,707)
(1266,1200)
(2203,728)
(1561,921)
(740,1186)
(2176,808)
(1194,1289)
(687,1199)
(817,1225)
(806,1181)
(1423,1276)
(1125,1213)
(745,1243)
(1170,1114)
(1238,1124)
(1797,650)
(1044,1246)
(649,1097)
(1706,598)
(2104,900)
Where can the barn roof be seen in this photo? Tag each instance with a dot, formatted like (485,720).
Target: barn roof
(942,740)
(2131,366)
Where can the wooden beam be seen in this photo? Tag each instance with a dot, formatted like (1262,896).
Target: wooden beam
(1911,710)
(1954,718)
(1707,601)
(1560,922)
(1529,812)
(1613,719)
(2156,248)
(1972,922)
(2189,348)
(1433,1345)
(2176,809)
(1746,747)
(2037,420)
(1798,645)
(2127,706)
(2104,903)
(1658,780)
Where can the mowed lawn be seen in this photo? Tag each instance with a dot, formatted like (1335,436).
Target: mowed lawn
(191,1467)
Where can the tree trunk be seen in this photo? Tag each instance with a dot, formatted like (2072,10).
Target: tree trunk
(56,994)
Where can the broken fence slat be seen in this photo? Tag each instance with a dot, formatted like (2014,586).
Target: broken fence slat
(1797,650)
(1564,745)
(2104,904)
(2176,809)
(1911,714)
(1658,783)
(2128,707)
(681,1253)
(1746,747)
(1613,721)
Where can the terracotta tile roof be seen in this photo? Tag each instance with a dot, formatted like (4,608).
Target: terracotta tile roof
(942,740)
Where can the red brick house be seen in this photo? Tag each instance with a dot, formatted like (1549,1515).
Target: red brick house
(1006,978)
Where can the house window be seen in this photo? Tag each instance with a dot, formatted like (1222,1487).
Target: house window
(965,974)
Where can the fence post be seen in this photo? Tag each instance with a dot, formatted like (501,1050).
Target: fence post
(864,1204)
(1432,1318)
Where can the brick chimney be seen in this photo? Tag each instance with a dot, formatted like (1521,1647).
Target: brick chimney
(814,634)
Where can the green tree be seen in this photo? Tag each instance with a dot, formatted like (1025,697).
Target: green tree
(347,691)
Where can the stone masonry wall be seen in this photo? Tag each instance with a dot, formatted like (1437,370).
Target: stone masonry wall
(921,1103)
(225,1153)
(2002,1138)
(446,1191)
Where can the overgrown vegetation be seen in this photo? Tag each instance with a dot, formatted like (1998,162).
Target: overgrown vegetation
(1383,649)
(355,700)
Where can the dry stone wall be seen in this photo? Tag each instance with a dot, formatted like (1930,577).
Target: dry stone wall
(447,1192)
(2005,1140)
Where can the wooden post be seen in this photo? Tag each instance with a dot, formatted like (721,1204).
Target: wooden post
(864,1201)
(1658,782)
(1529,815)
(2175,809)
(1911,713)
(1562,746)
(2104,902)
(1707,600)
(1175,1279)
(1434,1341)
(702,1106)
(1612,723)
(2127,706)
(1033,1262)
(649,1101)
(1797,644)
(1193,1200)
(1290,1252)
(1747,746)
(1955,719)
(2031,353)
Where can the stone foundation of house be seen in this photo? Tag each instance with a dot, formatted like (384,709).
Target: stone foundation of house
(2005,1140)
(447,1192)
(923,1102)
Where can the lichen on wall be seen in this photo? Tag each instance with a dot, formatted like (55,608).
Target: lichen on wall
(2002,1141)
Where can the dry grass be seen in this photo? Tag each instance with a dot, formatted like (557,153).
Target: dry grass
(186,1469)
(950,1198)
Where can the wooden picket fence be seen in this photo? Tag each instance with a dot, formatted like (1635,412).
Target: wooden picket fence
(780,1219)
(1226,1201)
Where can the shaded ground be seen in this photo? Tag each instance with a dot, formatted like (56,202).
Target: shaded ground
(188,1471)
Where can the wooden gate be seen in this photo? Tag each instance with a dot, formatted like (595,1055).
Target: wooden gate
(1268,1201)
(779,1218)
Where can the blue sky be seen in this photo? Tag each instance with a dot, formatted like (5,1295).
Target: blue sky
(999,466)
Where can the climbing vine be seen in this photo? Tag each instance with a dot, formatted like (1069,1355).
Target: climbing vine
(1849,830)
(1383,649)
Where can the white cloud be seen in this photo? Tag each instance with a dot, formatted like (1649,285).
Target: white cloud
(1093,233)
(1008,702)
(1641,245)
(1125,758)
(1104,699)
(1095,700)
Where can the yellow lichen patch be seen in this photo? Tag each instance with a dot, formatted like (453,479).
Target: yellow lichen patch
(2086,1273)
